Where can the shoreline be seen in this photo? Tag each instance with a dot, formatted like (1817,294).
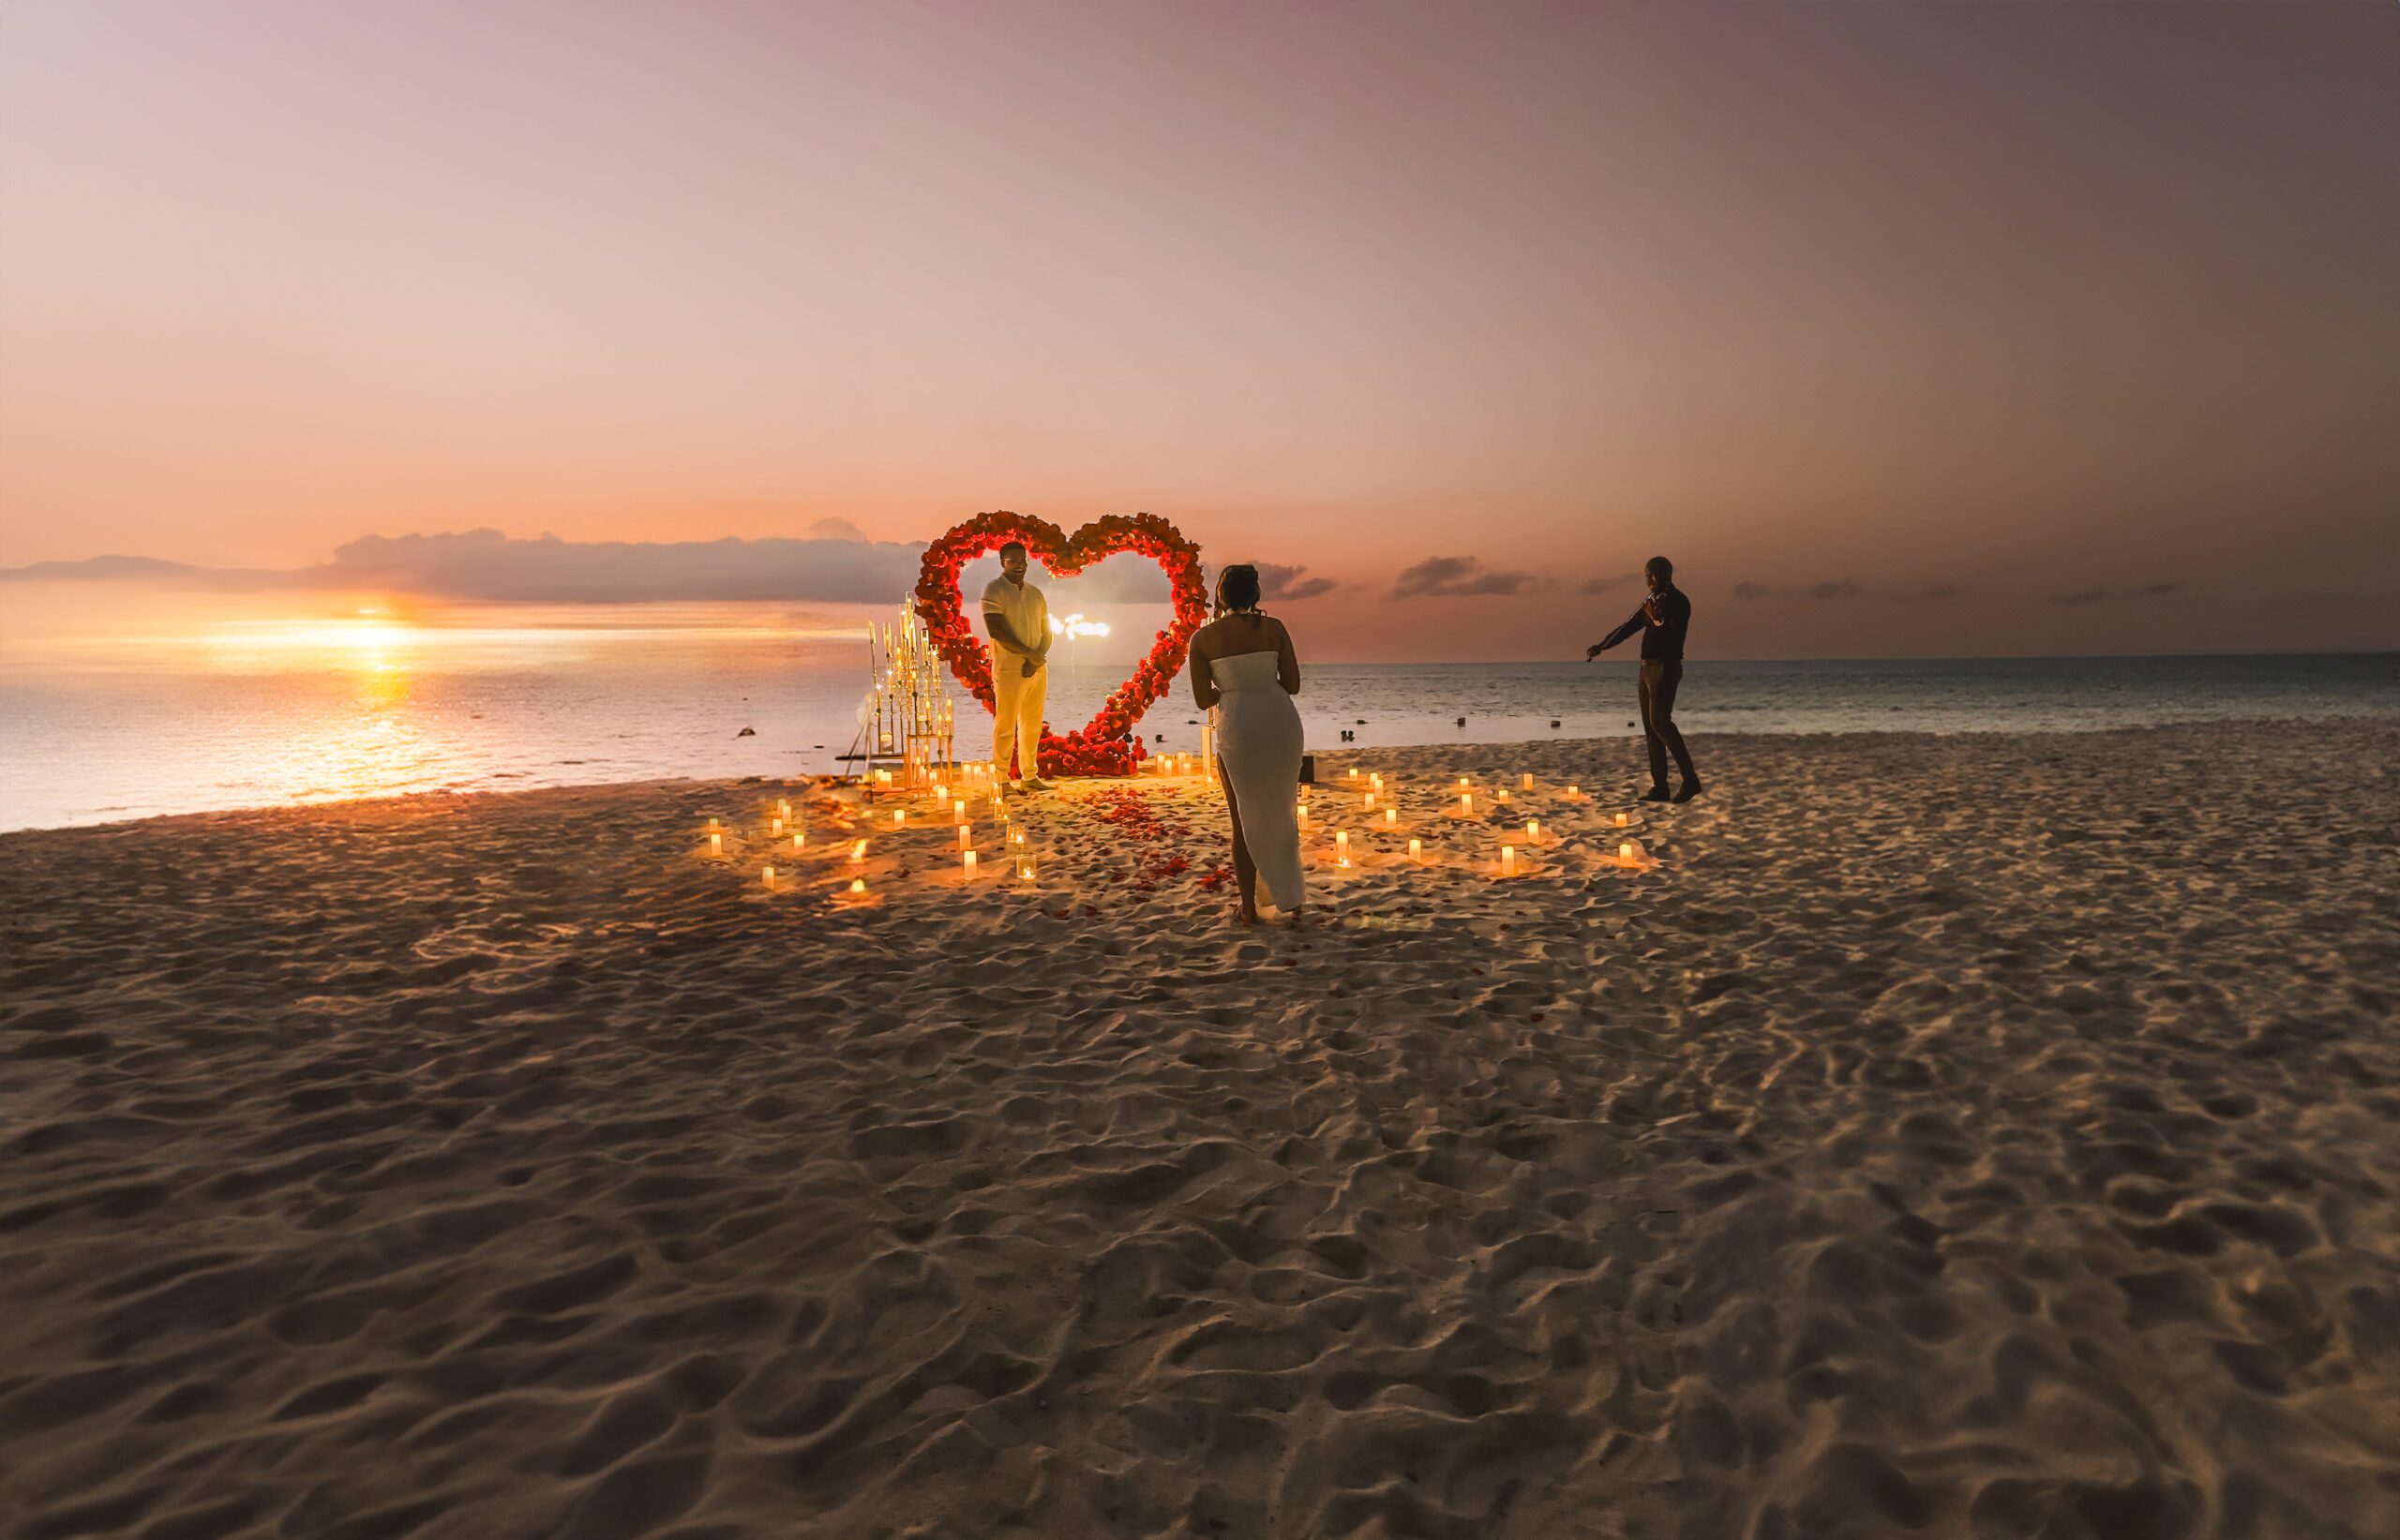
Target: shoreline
(1484,749)
(1935,1133)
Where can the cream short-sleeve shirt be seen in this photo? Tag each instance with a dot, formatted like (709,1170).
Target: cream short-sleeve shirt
(1027,612)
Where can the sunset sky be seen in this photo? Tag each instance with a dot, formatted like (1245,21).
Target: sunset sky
(1905,330)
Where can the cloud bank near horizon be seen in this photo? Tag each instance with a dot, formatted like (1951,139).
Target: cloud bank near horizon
(832,564)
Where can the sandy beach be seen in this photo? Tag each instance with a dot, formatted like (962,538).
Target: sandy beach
(1978,1135)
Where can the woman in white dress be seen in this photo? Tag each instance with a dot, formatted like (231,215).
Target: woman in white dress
(1243,665)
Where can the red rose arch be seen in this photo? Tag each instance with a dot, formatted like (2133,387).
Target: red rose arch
(1105,746)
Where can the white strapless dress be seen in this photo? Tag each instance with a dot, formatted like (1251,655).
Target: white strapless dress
(1259,741)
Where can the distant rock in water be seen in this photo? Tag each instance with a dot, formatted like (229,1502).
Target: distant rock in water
(747,732)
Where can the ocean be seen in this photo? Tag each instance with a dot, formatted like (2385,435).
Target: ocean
(159,732)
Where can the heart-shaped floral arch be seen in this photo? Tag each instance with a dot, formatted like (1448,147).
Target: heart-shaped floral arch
(1105,746)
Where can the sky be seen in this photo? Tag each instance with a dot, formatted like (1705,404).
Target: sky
(1951,329)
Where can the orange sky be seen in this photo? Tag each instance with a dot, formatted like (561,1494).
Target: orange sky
(1836,304)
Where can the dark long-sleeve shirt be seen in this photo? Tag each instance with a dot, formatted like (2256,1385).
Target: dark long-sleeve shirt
(1665,639)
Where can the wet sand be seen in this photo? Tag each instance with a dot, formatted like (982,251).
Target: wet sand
(1982,1135)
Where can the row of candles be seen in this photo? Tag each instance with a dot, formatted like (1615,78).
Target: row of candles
(1628,854)
(1020,848)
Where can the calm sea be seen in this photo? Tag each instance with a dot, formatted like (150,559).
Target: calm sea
(88,743)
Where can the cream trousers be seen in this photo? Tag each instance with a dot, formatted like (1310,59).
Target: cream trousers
(1016,713)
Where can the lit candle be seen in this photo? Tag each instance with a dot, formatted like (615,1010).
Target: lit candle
(966,861)
(712,826)
(1528,782)
(1376,780)
(858,885)
(1625,854)
(858,852)
(798,839)
(941,796)
(717,845)
(767,875)
(1465,781)
(1508,860)
(1354,773)
(1622,820)
(1573,792)
(1416,848)
(958,813)
(1466,805)
(1533,831)
(783,807)
(1502,794)
(966,835)
(1024,868)
(1342,846)
(1371,802)
(1304,814)
(899,817)
(1391,817)
(778,828)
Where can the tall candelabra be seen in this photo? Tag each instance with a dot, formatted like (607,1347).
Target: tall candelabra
(908,716)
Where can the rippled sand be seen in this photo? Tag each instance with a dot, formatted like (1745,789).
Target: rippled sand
(1991,1136)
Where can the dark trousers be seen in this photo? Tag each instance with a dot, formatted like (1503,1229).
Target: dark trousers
(1659,677)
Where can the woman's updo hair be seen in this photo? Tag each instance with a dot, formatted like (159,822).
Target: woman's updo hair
(1237,588)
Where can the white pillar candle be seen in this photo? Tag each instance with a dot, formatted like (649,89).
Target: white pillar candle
(966,836)
(966,861)
(1467,803)
(1508,860)
(712,826)
(783,807)
(778,826)
(1304,814)
(958,812)
(1416,848)
(899,817)
(1625,854)
(1622,820)
(1533,831)
(1528,782)
(767,875)
(1354,773)
(1502,795)
(1574,791)
(717,845)
(798,840)
(1371,802)
(941,796)
(1391,817)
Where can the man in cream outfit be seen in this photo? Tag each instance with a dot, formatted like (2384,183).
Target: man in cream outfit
(1018,618)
